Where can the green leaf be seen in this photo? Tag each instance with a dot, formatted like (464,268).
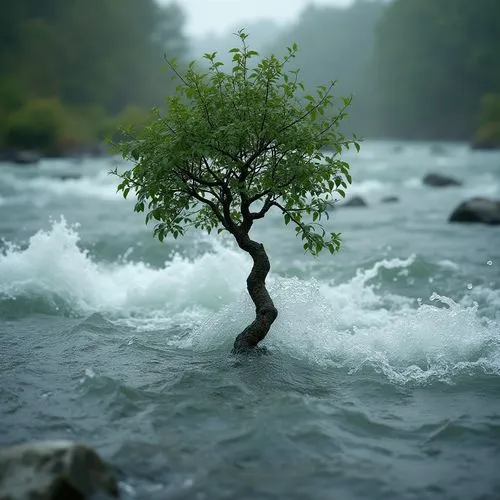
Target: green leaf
(230,133)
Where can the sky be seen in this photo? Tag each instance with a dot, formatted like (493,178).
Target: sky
(206,17)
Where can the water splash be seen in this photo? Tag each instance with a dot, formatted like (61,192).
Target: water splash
(53,264)
(356,325)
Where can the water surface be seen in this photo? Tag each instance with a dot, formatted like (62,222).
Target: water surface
(383,378)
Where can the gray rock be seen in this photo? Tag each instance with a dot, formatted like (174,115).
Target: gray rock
(389,199)
(54,470)
(438,180)
(21,157)
(355,201)
(68,177)
(482,210)
(26,158)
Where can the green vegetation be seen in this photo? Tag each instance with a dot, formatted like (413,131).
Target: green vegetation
(70,71)
(232,146)
(488,133)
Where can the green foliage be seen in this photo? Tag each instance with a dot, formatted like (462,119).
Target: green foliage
(236,143)
(46,125)
(87,55)
(36,125)
(488,132)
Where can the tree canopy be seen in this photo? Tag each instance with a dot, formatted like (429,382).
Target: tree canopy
(232,139)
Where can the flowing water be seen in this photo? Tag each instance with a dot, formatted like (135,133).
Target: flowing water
(383,373)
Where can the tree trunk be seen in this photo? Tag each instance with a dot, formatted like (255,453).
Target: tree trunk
(265,312)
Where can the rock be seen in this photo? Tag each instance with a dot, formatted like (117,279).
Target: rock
(438,180)
(355,201)
(389,199)
(68,177)
(26,158)
(54,470)
(21,157)
(482,210)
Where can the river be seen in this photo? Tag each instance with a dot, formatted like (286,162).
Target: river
(383,374)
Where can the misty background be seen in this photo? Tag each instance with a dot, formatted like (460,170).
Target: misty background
(71,72)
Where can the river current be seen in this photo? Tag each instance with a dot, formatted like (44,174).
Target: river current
(383,374)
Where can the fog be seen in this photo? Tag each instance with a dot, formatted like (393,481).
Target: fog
(208,17)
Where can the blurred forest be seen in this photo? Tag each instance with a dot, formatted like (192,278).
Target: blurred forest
(70,71)
(418,69)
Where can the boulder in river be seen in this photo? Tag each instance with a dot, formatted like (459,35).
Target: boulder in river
(54,470)
(438,180)
(355,201)
(20,157)
(68,177)
(482,210)
(389,199)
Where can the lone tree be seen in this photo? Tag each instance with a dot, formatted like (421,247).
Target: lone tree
(234,145)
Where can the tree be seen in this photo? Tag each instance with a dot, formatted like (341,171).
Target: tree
(232,146)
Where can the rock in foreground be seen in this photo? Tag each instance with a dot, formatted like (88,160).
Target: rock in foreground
(54,470)
(482,210)
(438,180)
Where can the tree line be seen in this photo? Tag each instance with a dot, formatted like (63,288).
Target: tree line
(417,69)
(69,71)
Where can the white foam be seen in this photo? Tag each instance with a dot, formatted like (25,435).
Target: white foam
(368,186)
(54,264)
(101,185)
(353,325)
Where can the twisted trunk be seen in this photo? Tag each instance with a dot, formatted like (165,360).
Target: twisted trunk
(265,312)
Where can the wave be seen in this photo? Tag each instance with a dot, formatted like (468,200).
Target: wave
(356,325)
(54,265)
(62,184)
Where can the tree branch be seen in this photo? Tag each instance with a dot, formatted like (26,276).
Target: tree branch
(308,112)
(192,192)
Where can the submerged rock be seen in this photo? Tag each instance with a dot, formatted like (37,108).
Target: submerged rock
(438,180)
(68,177)
(21,157)
(355,201)
(389,199)
(54,470)
(481,210)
